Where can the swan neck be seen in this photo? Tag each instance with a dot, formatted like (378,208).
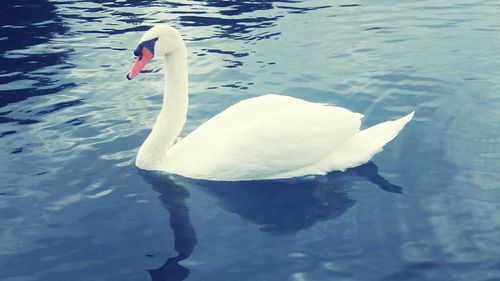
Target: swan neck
(172,117)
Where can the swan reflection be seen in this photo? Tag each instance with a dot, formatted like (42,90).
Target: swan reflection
(173,198)
(278,207)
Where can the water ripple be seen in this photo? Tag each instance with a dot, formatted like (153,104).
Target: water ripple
(71,126)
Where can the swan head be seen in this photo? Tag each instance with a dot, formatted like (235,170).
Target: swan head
(160,40)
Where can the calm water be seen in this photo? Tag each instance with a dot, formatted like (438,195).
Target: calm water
(74,207)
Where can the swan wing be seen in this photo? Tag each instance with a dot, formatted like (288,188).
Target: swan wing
(266,137)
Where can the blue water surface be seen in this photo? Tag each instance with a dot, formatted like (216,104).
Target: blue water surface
(74,207)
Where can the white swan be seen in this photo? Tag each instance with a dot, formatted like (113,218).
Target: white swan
(267,137)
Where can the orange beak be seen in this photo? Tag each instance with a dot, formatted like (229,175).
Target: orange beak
(139,63)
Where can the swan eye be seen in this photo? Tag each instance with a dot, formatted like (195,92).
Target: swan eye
(149,44)
(138,50)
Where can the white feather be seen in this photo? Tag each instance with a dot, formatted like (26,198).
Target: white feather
(267,137)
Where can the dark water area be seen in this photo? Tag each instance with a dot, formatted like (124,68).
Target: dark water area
(74,207)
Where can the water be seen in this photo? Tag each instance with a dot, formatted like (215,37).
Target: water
(74,207)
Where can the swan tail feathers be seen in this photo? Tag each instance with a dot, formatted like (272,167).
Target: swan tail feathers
(361,147)
(379,135)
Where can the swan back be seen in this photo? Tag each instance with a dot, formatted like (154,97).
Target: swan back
(266,137)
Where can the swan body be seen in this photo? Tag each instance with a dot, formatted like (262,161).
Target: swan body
(266,137)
